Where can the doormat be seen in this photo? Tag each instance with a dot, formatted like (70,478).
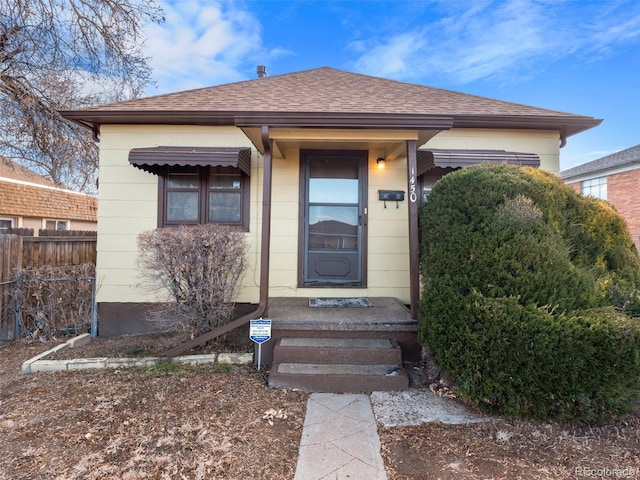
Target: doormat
(331,302)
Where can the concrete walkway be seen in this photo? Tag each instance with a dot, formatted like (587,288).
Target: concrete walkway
(340,436)
(339,439)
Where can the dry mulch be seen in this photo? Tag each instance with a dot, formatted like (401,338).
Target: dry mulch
(167,422)
(224,423)
(509,450)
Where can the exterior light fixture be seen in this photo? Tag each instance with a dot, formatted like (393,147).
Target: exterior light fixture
(381,163)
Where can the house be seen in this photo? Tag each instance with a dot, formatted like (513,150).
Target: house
(295,161)
(29,200)
(615,178)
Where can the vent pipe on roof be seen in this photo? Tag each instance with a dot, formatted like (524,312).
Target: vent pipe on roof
(261,71)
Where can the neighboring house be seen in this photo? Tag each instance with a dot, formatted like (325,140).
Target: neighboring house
(294,160)
(29,200)
(615,178)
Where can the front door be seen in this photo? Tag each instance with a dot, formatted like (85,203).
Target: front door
(333,219)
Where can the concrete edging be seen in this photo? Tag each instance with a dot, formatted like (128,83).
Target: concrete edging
(40,363)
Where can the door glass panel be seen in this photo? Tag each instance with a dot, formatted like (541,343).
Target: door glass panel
(333,190)
(333,167)
(334,228)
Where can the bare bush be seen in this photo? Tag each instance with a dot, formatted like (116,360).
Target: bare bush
(201,267)
(55,301)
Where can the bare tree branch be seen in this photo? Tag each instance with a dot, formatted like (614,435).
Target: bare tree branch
(60,55)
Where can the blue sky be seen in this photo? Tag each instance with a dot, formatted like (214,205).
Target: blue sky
(578,56)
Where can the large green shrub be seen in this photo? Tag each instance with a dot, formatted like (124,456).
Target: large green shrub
(529,295)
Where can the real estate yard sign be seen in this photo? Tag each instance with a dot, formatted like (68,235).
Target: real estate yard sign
(260,332)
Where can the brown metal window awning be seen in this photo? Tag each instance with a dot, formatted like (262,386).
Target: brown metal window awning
(153,159)
(429,159)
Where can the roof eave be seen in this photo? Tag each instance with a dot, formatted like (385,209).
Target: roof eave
(345,120)
(571,174)
(91,119)
(567,125)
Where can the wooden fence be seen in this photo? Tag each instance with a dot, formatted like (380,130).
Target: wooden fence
(57,251)
(33,252)
(10,260)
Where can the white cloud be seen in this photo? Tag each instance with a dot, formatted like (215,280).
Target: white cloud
(389,59)
(203,43)
(498,39)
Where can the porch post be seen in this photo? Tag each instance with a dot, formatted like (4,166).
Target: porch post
(265,242)
(414,247)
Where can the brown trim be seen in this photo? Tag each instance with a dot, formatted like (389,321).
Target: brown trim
(365,220)
(414,247)
(301,196)
(90,119)
(345,120)
(432,158)
(265,239)
(567,125)
(203,175)
(153,159)
(162,179)
(127,318)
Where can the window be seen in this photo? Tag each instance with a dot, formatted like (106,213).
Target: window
(426,191)
(5,224)
(426,183)
(193,195)
(56,225)
(596,187)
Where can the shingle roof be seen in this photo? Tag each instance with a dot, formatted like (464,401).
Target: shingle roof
(622,158)
(327,90)
(321,91)
(25,193)
(15,171)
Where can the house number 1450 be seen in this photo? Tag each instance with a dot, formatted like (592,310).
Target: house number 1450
(413,192)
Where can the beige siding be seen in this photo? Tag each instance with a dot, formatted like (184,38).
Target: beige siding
(128,203)
(128,206)
(543,143)
(388,245)
(283,275)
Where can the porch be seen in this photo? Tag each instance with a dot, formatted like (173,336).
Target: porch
(340,349)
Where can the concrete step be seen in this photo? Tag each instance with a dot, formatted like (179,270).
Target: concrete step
(338,378)
(354,351)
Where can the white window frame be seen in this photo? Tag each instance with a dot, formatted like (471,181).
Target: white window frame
(594,187)
(56,221)
(9,219)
